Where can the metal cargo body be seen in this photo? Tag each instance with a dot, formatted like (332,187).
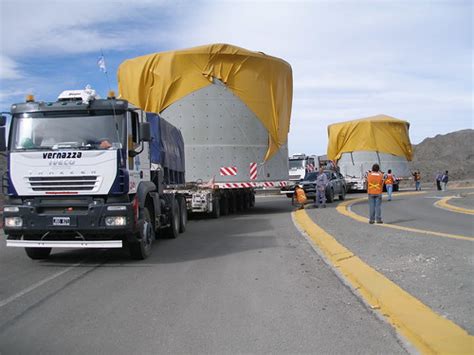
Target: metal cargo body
(223,138)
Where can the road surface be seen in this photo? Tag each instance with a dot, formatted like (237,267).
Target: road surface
(243,283)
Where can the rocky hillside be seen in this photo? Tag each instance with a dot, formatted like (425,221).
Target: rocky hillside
(453,152)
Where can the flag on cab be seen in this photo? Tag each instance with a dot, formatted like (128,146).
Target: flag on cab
(101,64)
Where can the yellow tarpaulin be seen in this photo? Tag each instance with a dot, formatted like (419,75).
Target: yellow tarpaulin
(264,83)
(380,133)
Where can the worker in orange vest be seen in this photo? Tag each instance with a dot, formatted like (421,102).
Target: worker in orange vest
(300,197)
(389,179)
(374,191)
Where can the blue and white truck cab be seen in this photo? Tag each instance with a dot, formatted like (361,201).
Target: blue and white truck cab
(86,172)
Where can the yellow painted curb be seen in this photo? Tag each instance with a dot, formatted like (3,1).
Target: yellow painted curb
(343,208)
(443,203)
(427,331)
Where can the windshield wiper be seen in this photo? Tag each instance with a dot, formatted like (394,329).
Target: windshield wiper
(31,148)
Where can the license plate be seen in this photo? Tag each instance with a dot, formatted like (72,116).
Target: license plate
(61,221)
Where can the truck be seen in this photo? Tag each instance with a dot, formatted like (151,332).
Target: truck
(86,172)
(301,164)
(356,145)
(233,108)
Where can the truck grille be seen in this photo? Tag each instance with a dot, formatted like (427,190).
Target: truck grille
(63,183)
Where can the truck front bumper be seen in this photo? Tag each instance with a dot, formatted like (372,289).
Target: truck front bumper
(68,223)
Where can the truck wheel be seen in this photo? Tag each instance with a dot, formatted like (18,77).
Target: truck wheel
(141,249)
(38,253)
(183,215)
(173,230)
(216,209)
(342,195)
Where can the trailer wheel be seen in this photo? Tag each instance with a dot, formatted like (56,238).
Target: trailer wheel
(224,206)
(246,198)
(216,209)
(232,203)
(38,253)
(183,215)
(141,249)
(173,230)
(252,199)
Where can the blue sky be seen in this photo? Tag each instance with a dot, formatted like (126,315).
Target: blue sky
(350,59)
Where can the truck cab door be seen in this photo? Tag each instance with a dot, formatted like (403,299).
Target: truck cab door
(137,150)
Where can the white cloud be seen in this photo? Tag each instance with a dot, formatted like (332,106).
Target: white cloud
(8,69)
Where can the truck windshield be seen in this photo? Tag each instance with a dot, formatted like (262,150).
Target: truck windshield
(296,164)
(37,131)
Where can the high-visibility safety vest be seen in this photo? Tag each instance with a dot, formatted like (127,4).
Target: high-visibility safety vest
(300,196)
(374,183)
(389,179)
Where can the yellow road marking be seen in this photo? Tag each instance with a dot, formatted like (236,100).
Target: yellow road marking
(443,203)
(425,329)
(343,208)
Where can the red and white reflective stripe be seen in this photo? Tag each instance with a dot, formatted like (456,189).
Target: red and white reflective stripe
(253,171)
(309,167)
(228,171)
(239,185)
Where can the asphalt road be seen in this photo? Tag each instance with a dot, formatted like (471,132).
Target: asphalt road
(248,283)
(437,270)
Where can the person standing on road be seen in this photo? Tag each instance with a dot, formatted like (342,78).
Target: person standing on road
(321,183)
(389,179)
(300,197)
(374,191)
(438,181)
(417,178)
(444,181)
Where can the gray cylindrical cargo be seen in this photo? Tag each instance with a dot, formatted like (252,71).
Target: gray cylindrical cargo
(356,164)
(223,136)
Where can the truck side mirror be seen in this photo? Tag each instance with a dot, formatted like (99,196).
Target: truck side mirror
(3,141)
(145,132)
(3,121)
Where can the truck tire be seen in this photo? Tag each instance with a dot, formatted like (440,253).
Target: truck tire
(38,253)
(183,215)
(216,209)
(172,230)
(141,249)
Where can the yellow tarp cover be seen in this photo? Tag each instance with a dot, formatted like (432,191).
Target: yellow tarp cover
(380,133)
(264,83)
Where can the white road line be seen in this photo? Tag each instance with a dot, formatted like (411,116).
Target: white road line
(36,285)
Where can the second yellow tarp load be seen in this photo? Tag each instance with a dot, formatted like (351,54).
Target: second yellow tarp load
(380,133)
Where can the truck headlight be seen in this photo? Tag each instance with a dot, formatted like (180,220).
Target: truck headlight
(115,221)
(13,222)
(11,209)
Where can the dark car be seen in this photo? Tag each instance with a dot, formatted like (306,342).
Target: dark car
(336,186)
